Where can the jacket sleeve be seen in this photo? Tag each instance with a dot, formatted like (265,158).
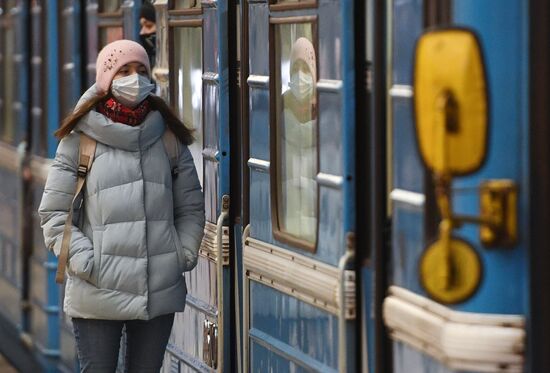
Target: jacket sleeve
(189,215)
(54,208)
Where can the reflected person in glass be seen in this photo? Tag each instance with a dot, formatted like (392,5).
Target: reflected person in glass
(299,144)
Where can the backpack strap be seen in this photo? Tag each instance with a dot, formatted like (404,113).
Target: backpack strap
(86,158)
(171,144)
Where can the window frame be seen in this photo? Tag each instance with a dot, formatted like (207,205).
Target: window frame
(172,25)
(275,190)
(108,20)
(173,11)
(117,13)
(274,6)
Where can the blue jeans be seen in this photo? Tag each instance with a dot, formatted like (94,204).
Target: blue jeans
(98,342)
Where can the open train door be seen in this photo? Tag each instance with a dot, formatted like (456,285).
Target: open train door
(191,72)
(458,296)
(299,307)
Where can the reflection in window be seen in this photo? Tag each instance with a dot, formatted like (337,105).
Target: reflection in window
(186,4)
(187,81)
(296,131)
(109,6)
(109,34)
(8,77)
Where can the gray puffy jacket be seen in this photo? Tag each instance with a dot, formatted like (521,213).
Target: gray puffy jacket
(139,228)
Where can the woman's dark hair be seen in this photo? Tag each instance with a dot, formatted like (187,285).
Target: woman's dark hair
(184,134)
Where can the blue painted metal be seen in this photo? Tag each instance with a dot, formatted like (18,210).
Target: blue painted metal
(223,100)
(52,65)
(348,106)
(295,324)
(224,159)
(348,145)
(53,302)
(22,124)
(131,9)
(503,32)
(408,240)
(287,352)
(71,59)
(37,101)
(52,289)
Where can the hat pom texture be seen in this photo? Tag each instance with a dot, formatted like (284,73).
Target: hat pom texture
(115,55)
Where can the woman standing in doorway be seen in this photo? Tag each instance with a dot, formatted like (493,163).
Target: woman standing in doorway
(141,220)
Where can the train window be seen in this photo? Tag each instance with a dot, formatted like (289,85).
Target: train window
(187,4)
(109,34)
(186,82)
(294,134)
(109,6)
(7,89)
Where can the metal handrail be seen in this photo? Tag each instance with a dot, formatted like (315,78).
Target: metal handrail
(344,262)
(219,269)
(241,357)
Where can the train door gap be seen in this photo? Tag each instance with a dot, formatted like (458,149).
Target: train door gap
(539,179)
(235,187)
(379,171)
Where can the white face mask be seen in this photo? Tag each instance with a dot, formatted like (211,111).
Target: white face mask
(131,90)
(301,85)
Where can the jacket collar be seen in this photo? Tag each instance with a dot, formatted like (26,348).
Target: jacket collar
(117,135)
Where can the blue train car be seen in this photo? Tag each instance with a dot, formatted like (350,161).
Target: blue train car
(373,172)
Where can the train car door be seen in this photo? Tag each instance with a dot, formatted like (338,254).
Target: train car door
(191,73)
(458,295)
(298,250)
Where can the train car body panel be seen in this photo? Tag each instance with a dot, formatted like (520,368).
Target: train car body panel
(502,293)
(294,264)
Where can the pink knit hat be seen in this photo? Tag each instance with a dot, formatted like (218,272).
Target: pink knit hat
(115,55)
(302,49)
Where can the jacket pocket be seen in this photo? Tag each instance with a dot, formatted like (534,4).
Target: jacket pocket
(97,238)
(179,248)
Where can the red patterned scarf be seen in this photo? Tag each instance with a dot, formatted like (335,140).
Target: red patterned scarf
(117,112)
